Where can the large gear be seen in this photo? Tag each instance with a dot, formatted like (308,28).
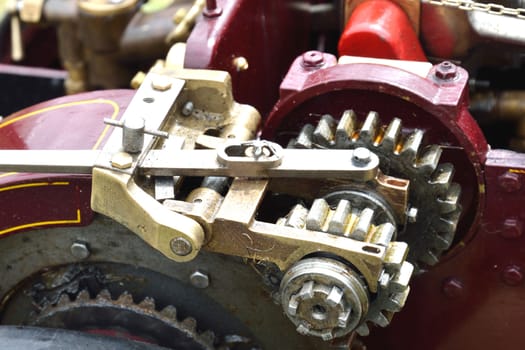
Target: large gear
(433,195)
(123,317)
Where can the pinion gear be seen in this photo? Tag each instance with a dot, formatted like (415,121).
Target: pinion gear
(401,154)
(138,320)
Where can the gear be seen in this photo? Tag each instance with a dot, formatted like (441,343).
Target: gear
(362,225)
(122,316)
(433,195)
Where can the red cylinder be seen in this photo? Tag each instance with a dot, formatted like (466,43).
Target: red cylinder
(380,29)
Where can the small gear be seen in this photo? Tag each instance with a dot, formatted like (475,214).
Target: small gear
(435,211)
(361,224)
(124,317)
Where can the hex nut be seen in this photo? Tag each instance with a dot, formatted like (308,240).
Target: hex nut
(446,71)
(200,279)
(161,83)
(122,160)
(80,250)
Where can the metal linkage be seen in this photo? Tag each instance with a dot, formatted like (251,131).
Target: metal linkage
(467,5)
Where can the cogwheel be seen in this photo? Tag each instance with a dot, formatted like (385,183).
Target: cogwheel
(433,195)
(124,317)
(361,224)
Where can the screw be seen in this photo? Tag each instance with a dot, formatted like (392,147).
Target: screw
(512,275)
(161,83)
(200,279)
(446,71)
(361,156)
(452,287)
(240,63)
(313,59)
(510,182)
(187,109)
(412,215)
(512,228)
(122,160)
(80,250)
(212,10)
(181,246)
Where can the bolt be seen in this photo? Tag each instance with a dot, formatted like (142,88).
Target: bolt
(240,63)
(122,160)
(80,250)
(361,156)
(512,275)
(313,59)
(509,182)
(303,329)
(187,109)
(181,246)
(212,10)
(161,83)
(452,287)
(412,215)
(446,71)
(512,228)
(200,279)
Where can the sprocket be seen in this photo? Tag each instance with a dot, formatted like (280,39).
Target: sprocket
(124,317)
(433,195)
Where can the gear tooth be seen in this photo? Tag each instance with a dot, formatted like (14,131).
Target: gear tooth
(448,222)
(297,217)
(345,129)
(304,139)
(412,145)
(368,132)
(147,303)
(363,330)
(317,216)
(430,160)
(189,324)
(429,258)
(383,234)
(125,298)
(380,319)
(63,300)
(443,241)
(391,137)
(339,218)
(83,295)
(323,134)
(169,312)
(442,178)
(450,202)
(363,224)
(104,294)
(208,337)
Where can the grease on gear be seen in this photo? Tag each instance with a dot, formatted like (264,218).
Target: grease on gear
(401,154)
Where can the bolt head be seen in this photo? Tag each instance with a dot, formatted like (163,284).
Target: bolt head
(161,83)
(187,109)
(412,215)
(180,246)
(361,156)
(199,279)
(510,182)
(512,228)
(312,59)
(446,71)
(80,250)
(122,160)
(512,275)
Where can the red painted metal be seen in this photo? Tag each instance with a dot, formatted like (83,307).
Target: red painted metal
(32,201)
(381,29)
(269,34)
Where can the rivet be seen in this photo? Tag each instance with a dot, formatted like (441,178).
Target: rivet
(510,182)
(240,63)
(199,279)
(181,246)
(512,228)
(512,275)
(453,287)
(361,156)
(80,250)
